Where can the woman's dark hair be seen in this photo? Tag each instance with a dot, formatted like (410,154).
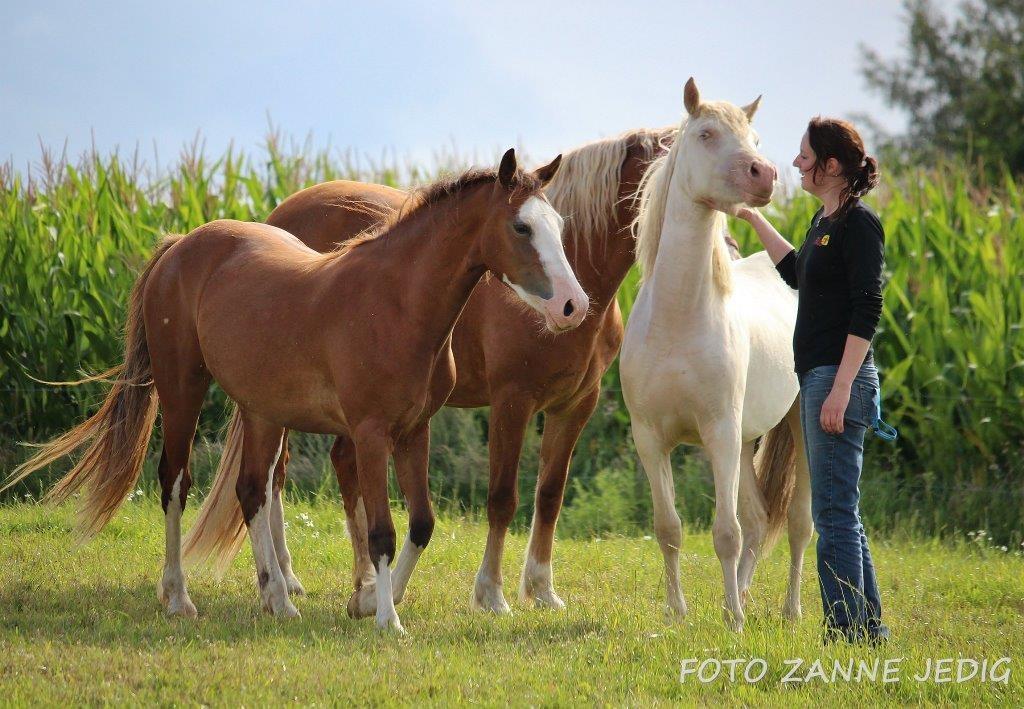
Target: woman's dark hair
(836,138)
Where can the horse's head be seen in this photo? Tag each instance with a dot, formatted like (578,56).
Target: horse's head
(523,245)
(717,154)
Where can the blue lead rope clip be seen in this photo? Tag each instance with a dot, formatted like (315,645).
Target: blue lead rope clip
(880,427)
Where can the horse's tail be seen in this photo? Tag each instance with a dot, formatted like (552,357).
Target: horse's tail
(117,434)
(775,468)
(219,530)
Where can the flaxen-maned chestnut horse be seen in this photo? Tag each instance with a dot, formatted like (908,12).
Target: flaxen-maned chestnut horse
(502,358)
(353,343)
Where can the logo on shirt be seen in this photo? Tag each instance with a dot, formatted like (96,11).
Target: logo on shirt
(821,240)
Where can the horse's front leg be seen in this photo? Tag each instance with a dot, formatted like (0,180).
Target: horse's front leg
(655,457)
(411,464)
(722,443)
(373,447)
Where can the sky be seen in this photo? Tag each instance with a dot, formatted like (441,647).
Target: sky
(414,80)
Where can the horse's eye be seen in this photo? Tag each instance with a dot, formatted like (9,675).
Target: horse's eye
(521,228)
(705,135)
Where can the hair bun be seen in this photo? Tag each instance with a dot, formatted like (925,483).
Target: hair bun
(867,178)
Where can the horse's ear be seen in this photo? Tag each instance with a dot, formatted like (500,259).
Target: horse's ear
(507,168)
(691,97)
(751,108)
(544,174)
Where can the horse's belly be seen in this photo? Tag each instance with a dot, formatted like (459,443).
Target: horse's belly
(294,399)
(765,404)
(772,385)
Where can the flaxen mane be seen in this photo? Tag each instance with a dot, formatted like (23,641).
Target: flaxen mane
(585,188)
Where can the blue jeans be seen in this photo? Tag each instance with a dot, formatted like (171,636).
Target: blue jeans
(849,590)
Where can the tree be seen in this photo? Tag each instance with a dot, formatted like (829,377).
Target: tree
(961,81)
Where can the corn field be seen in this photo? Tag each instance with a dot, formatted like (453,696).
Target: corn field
(950,346)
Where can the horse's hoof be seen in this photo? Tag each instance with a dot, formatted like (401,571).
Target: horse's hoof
(181,607)
(390,624)
(675,608)
(174,598)
(745,598)
(675,613)
(733,621)
(288,611)
(363,602)
(541,592)
(280,610)
(488,597)
(498,607)
(274,600)
(548,599)
(294,587)
(791,614)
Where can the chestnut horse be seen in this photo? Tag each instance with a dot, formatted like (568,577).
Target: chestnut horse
(353,343)
(503,359)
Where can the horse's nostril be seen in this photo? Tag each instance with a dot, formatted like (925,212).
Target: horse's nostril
(754,171)
(569,308)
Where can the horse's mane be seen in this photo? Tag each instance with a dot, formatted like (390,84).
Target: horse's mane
(584,190)
(423,198)
(586,186)
(653,196)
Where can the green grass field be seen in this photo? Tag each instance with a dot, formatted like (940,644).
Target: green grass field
(83,625)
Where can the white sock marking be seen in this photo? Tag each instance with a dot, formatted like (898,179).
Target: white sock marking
(407,559)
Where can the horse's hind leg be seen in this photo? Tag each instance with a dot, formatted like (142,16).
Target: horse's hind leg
(654,456)
(261,450)
(561,432)
(753,520)
(509,419)
(284,557)
(343,457)
(181,383)
(800,525)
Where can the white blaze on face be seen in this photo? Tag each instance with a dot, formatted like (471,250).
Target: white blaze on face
(547,225)
(546,238)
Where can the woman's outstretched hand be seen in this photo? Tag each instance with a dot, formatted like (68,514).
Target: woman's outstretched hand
(747,214)
(776,246)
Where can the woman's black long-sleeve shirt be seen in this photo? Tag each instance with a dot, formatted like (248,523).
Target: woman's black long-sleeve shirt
(838,274)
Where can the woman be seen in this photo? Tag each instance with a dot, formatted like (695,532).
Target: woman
(838,273)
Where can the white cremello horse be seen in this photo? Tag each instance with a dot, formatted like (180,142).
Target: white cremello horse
(707,357)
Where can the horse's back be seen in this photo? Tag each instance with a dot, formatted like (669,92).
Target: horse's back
(325,215)
(239,260)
